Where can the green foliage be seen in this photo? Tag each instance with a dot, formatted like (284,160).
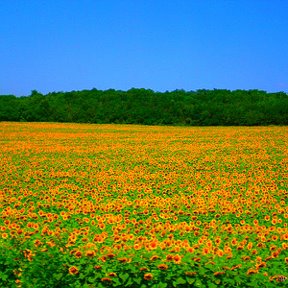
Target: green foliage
(144,106)
(8,266)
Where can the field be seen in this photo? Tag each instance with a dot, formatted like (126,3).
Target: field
(86,205)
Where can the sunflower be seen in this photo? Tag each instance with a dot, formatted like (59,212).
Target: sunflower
(106,279)
(162,266)
(177,259)
(73,270)
(148,276)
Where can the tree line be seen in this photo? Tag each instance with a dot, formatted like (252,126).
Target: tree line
(144,106)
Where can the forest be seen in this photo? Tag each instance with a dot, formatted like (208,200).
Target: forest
(218,107)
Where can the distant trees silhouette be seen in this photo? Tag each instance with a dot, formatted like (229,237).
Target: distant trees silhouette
(144,106)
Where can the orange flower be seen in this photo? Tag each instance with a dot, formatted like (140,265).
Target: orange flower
(218,241)
(103,258)
(153,245)
(90,253)
(272,247)
(110,255)
(285,236)
(219,273)
(274,238)
(261,245)
(234,242)
(261,265)
(78,254)
(177,259)
(278,278)
(137,246)
(19,231)
(37,242)
(148,276)
(249,245)
(252,271)
(154,257)
(220,253)
(124,260)
(106,279)
(4,235)
(227,249)
(254,252)
(268,258)
(73,270)
(190,250)
(236,267)
(274,221)
(275,254)
(169,257)
(162,266)
(205,250)
(51,243)
(255,222)
(143,269)
(281,278)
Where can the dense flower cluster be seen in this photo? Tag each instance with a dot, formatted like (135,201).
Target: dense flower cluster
(151,198)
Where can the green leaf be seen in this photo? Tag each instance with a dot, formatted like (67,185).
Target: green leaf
(129,282)
(124,277)
(83,261)
(237,279)
(82,276)
(91,279)
(90,268)
(212,285)
(190,280)
(137,280)
(198,283)
(57,276)
(180,281)
(202,271)
(3,276)
(117,282)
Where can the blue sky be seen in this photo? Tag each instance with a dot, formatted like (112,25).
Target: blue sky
(64,45)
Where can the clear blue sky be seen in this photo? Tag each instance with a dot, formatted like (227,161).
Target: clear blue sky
(64,45)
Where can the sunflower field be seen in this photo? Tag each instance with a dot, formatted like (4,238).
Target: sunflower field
(86,205)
